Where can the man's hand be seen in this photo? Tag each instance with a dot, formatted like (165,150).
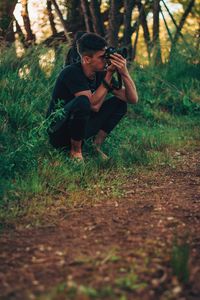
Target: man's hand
(111,68)
(127,93)
(119,62)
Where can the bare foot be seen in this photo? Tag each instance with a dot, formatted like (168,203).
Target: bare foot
(76,156)
(102,155)
(76,151)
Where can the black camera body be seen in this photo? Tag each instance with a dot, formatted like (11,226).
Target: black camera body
(111,50)
(124,53)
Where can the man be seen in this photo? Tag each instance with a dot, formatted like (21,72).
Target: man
(81,89)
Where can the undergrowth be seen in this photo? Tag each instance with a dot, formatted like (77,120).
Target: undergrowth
(165,119)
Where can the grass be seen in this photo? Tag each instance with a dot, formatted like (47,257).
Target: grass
(33,174)
(180,260)
(118,290)
(75,291)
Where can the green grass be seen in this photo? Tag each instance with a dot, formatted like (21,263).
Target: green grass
(118,290)
(72,291)
(33,174)
(180,260)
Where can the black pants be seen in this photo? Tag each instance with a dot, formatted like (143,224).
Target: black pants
(80,123)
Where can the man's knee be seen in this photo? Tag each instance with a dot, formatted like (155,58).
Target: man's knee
(82,104)
(121,105)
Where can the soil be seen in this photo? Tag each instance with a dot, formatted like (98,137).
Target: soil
(145,245)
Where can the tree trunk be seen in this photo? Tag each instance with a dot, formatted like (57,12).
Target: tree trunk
(6,20)
(182,22)
(74,19)
(198,38)
(143,22)
(135,43)
(128,8)
(114,22)
(51,18)
(30,37)
(87,15)
(173,20)
(156,40)
(20,33)
(96,17)
(61,20)
(166,25)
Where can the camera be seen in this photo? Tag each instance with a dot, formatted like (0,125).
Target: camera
(124,53)
(111,50)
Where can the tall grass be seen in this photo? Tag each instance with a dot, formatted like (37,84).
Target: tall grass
(166,118)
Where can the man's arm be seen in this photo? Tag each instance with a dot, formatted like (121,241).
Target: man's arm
(97,98)
(128,93)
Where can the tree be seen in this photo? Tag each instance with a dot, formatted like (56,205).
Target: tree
(87,16)
(20,33)
(181,24)
(59,13)
(128,30)
(115,20)
(96,17)
(30,37)
(51,17)
(6,20)
(135,42)
(156,39)
(143,22)
(74,17)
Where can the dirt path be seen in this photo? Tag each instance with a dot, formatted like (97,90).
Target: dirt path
(117,249)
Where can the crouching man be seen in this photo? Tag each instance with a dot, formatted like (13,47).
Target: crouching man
(81,90)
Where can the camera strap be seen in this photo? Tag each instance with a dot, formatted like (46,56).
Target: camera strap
(117,85)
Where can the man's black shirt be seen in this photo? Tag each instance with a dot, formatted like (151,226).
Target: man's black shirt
(72,80)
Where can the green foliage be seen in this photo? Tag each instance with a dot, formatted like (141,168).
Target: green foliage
(71,290)
(166,117)
(180,260)
(129,282)
(173,87)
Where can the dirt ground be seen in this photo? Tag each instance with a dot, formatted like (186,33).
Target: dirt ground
(116,249)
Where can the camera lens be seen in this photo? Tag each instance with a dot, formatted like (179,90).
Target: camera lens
(111,50)
(123,52)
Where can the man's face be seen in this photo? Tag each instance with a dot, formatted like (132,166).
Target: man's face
(98,61)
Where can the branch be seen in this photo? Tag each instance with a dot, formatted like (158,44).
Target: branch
(96,17)
(87,16)
(183,19)
(62,20)
(143,22)
(135,42)
(173,20)
(168,31)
